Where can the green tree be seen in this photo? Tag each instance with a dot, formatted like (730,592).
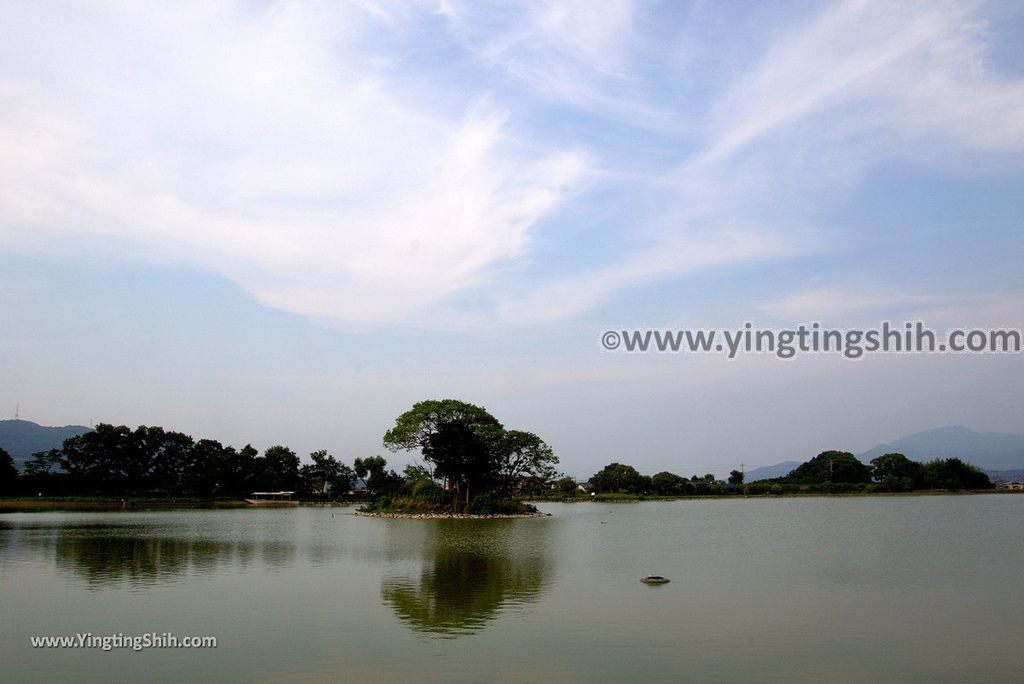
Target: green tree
(414,428)
(43,463)
(953,474)
(619,478)
(280,469)
(566,486)
(524,456)
(8,473)
(670,484)
(325,474)
(896,472)
(831,467)
(460,440)
(171,462)
(100,460)
(463,458)
(736,477)
(379,480)
(210,470)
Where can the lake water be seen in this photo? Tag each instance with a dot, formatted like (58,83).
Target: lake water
(865,589)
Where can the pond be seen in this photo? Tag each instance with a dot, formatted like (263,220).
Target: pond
(889,588)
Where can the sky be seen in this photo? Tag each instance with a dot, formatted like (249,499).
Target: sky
(286,222)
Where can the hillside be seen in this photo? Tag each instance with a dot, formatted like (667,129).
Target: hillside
(988,451)
(771,472)
(22,438)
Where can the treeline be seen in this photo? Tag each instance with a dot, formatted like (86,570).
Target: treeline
(828,472)
(151,461)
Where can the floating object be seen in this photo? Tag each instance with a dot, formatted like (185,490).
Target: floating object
(655,579)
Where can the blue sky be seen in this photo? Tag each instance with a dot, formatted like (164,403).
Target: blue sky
(285,222)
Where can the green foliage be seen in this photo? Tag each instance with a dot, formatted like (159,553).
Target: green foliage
(566,486)
(670,484)
(895,471)
(43,463)
(325,475)
(462,456)
(523,456)
(470,452)
(736,477)
(616,477)
(379,480)
(150,461)
(280,469)
(415,428)
(953,474)
(830,467)
(482,504)
(8,473)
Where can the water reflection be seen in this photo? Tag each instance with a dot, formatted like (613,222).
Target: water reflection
(471,572)
(142,555)
(104,557)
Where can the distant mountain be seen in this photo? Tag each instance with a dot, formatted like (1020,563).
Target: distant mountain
(772,471)
(22,438)
(988,451)
(1007,475)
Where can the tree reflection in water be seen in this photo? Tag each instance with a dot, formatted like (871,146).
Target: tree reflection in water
(145,555)
(472,572)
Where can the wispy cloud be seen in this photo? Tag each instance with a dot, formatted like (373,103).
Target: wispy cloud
(833,305)
(368,162)
(858,84)
(263,145)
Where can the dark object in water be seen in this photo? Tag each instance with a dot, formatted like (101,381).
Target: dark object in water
(655,579)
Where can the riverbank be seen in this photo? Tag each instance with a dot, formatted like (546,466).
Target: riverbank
(16,504)
(103,504)
(635,498)
(451,516)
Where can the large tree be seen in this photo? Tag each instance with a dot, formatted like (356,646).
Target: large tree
(616,477)
(952,473)
(524,458)
(8,473)
(831,467)
(670,484)
(326,474)
(415,428)
(373,471)
(467,449)
(459,440)
(896,472)
(280,469)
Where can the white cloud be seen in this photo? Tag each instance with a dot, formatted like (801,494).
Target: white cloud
(263,145)
(839,306)
(939,311)
(860,83)
(299,151)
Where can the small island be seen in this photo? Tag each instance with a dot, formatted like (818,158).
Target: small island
(473,467)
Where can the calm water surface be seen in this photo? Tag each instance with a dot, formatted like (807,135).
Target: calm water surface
(824,589)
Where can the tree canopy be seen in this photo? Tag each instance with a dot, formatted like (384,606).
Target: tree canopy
(469,451)
(619,478)
(832,467)
(8,473)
